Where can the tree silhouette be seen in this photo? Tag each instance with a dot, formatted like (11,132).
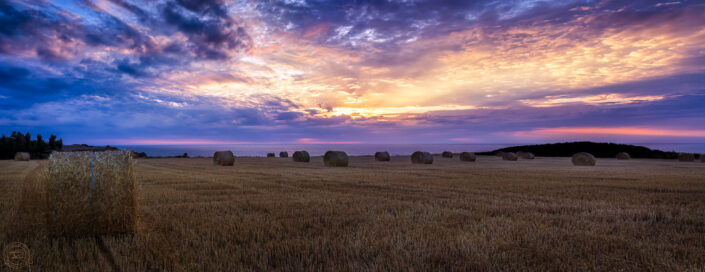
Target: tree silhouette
(19,142)
(41,146)
(28,141)
(52,142)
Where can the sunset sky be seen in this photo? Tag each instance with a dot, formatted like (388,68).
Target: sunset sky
(298,71)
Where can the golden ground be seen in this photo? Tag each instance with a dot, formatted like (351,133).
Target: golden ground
(275,214)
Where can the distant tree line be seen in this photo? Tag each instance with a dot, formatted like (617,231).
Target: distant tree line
(600,150)
(18,142)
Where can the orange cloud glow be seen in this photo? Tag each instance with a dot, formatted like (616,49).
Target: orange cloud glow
(341,81)
(552,101)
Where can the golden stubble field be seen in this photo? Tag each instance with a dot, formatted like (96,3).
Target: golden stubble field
(275,214)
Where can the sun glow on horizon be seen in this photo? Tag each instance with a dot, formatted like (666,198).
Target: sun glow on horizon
(445,79)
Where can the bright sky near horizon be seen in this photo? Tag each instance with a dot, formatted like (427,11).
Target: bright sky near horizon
(300,71)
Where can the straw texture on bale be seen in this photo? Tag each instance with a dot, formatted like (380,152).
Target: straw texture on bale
(686,157)
(526,155)
(509,156)
(420,157)
(270,155)
(335,158)
(447,154)
(301,156)
(21,156)
(284,154)
(468,156)
(224,158)
(90,193)
(583,159)
(623,156)
(382,156)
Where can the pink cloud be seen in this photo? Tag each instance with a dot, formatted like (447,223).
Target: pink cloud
(318,141)
(174,142)
(464,140)
(216,142)
(626,131)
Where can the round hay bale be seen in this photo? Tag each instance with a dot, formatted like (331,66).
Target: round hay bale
(382,156)
(270,155)
(468,156)
(420,157)
(335,158)
(583,159)
(301,156)
(224,158)
(526,155)
(92,193)
(686,157)
(623,156)
(136,155)
(22,156)
(510,156)
(447,154)
(284,154)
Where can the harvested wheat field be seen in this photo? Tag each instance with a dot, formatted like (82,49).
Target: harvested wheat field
(276,214)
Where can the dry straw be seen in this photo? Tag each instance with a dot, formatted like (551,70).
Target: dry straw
(509,156)
(420,157)
(21,156)
(90,193)
(335,158)
(382,156)
(623,156)
(468,156)
(583,159)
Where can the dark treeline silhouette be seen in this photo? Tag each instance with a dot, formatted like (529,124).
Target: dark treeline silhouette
(18,142)
(600,150)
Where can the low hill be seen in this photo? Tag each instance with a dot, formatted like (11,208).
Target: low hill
(600,150)
(85,147)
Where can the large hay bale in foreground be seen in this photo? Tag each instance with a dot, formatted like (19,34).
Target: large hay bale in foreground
(468,156)
(509,156)
(686,157)
(583,159)
(382,156)
(270,155)
(420,157)
(526,155)
(224,158)
(335,158)
(90,193)
(447,154)
(623,156)
(301,156)
(284,154)
(22,156)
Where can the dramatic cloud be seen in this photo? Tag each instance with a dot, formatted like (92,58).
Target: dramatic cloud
(302,71)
